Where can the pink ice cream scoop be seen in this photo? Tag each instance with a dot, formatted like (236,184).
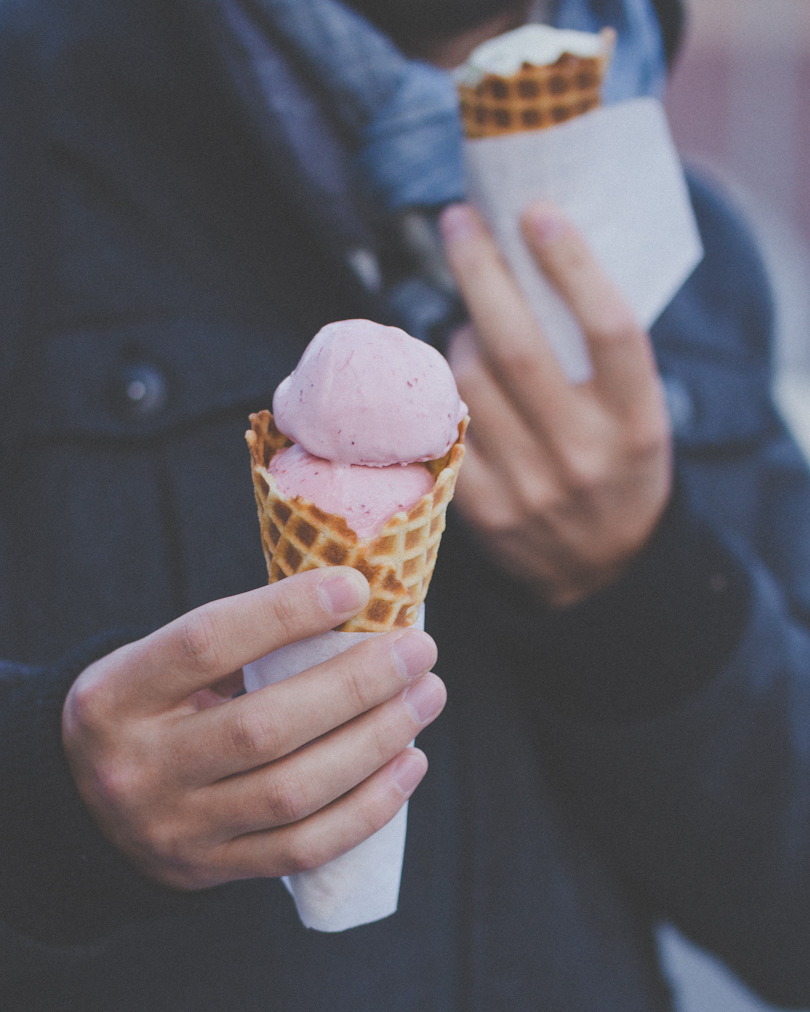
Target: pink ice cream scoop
(368,394)
(365,496)
(364,406)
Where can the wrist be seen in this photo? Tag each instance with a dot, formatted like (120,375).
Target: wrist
(586,574)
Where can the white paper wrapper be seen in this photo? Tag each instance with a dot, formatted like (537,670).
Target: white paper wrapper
(362,885)
(617,176)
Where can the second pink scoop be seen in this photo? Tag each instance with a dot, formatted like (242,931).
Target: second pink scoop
(365,496)
(368,394)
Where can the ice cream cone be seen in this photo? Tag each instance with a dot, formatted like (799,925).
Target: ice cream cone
(398,563)
(535,97)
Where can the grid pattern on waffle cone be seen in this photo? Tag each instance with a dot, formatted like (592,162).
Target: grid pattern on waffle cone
(398,563)
(535,97)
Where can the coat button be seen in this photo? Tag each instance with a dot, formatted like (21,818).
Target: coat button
(142,391)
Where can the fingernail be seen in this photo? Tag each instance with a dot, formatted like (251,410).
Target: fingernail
(456,222)
(342,594)
(413,654)
(546,222)
(408,772)
(425,698)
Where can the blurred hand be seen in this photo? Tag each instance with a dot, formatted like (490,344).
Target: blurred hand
(564,483)
(271,783)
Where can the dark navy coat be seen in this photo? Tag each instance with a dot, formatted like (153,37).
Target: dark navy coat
(168,246)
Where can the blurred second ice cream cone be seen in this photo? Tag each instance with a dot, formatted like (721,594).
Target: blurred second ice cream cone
(532,78)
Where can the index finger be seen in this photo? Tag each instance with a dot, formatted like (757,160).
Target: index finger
(197,649)
(508,334)
(621,354)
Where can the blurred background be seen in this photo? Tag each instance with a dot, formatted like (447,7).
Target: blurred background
(739,104)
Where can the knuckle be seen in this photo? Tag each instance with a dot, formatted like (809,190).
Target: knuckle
(390,732)
(377,810)
(287,800)
(373,817)
(610,328)
(533,496)
(356,689)
(615,324)
(585,472)
(304,854)
(199,642)
(157,838)
(516,362)
(169,845)
(495,525)
(285,611)
(88,703)
(650,439)
(253,734)
(122,785)
(496,519)
(643,447)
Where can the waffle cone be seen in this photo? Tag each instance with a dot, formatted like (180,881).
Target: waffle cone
(535,97)
(398,563)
